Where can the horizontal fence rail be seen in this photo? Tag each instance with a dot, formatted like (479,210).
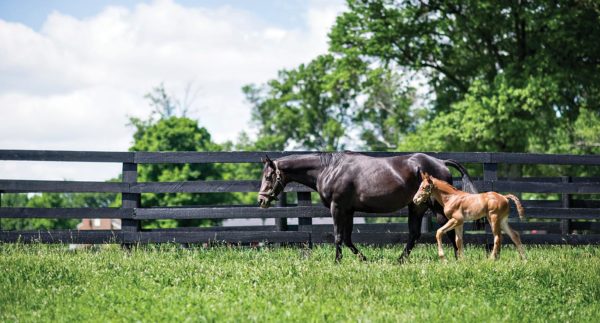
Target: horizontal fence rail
(563,221)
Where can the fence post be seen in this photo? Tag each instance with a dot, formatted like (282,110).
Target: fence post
(565,224)
(281,223)
(490,175)
(305,224)
(130,200)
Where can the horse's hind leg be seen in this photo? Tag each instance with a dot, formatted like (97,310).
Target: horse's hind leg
(415,216)
(514,236)
(347,236)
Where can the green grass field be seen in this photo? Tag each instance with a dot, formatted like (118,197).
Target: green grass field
(166,283)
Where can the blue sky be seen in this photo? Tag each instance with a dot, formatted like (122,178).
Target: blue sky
(33,13)
(72,73)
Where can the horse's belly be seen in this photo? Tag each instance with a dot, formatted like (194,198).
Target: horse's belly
(382,203)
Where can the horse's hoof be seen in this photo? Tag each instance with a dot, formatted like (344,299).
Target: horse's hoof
(362,257)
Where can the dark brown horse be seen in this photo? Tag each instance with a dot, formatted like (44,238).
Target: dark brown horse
(349,182)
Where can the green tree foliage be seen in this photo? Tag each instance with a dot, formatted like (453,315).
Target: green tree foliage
(306,107)
(315,106)
(169,132)
(503,73)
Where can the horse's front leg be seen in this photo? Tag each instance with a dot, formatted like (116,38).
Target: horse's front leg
(338,229)
(347,235)
(415,217)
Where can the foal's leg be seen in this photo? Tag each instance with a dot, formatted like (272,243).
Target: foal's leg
(496,231)
(459,241)
(514,236)
(438,235)
(347,236)
(442,220)
(415,216)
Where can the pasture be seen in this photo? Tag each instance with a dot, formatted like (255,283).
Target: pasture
(166,283)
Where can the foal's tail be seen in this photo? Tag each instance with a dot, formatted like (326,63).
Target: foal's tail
(518,204)
(467,183)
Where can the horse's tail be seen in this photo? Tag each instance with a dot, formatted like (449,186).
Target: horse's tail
(518,204)
(467,183)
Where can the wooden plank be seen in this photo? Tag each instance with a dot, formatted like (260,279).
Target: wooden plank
(62,236)
(549,187)
(220,186)
(214,186)
(551,227)
(548,159)
(254,157)
(558,213)
(249,212)
(66,213)
(210,157)
(220,236)
(229,213)
(463,157)
(246,213)
(21,186)
(219,228)
(585,226)
(67,156)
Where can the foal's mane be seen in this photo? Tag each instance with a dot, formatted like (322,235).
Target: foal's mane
(438,182)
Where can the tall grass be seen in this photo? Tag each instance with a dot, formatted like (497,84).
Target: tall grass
(166,283)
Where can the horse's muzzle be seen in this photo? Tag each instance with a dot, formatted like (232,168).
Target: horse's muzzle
(263,201)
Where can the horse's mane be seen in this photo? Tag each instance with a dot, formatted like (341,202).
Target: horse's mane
(328,159)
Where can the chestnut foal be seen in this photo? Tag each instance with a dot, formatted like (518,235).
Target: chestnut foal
(460,206)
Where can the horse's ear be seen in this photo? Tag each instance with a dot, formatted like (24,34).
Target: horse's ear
(269,161)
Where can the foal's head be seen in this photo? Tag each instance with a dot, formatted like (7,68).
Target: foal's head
(271,185)
(425,188)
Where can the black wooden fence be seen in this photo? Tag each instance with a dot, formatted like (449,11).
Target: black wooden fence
(563,221)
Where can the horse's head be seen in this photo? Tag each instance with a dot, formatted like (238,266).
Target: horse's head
(425,189)
(271,185)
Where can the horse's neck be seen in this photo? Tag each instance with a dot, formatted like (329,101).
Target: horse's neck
(443,191)
(303,169)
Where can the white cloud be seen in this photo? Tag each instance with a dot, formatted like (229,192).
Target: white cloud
(73,84)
